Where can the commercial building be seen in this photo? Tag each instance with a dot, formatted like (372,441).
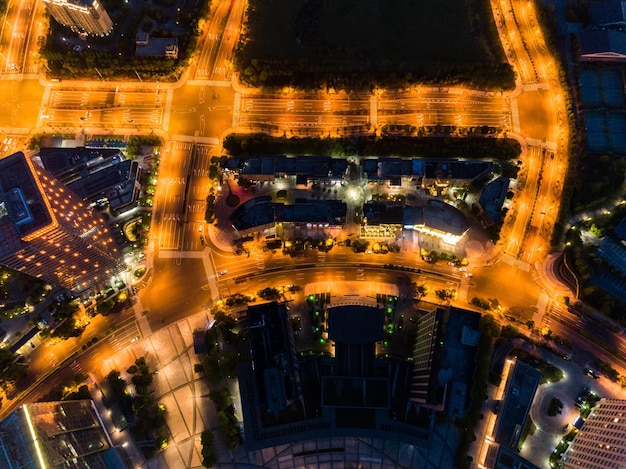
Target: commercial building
(436,219)
(601,442)
(66,434)
(393,171)
(304,168)
(602,44)
(96,174)
(492,199)
(260,213)
(82,16)
(46,230)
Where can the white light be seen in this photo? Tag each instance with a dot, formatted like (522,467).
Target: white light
(34,437)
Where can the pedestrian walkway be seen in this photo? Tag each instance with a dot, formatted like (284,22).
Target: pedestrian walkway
(171,254)
(508,259)
(142,320)
(221,239)
(209,268)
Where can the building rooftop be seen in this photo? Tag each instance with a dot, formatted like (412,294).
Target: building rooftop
(355,324)
(492,198)
(156,46)
(24,208)
(353,395)
(273,354)
(94,173)
(602,44)
(607,12)
(310,166)
(262,211)
(57,434)
(520,392)
(68,164)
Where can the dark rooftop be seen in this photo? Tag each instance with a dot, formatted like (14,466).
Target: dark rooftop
(269,165)
(520,392)
(436,215)
(355,324)
(492,198)
(23,208)
(261,211)
(66,164)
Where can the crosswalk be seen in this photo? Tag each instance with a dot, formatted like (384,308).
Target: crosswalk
(122,338)
(76,367)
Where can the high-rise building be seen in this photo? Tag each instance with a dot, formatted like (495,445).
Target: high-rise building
(46,230)
(84,16)
(66,434)
(519,393)
(601,442)
(443,359)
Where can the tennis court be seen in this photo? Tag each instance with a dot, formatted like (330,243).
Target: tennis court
(590,87)
(595,122)
(612,87)
(617,130)
(601,88)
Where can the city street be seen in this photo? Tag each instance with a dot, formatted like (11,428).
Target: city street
(196,265)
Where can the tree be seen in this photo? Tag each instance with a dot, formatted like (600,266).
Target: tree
(209,458)
(420,291)
(13,370)
(555,407)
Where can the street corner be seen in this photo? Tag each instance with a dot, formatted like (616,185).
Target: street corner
(141,276)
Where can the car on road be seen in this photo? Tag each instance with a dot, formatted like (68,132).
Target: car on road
(591,373)
(223,272)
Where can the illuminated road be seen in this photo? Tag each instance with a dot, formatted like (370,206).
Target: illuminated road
(528,229)
(455,107)
(20,29)
(222,67)
(198,113)
(103,106)
(219,39)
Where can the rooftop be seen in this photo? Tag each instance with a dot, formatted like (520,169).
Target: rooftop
(23,206)
(57,434)
(520,392)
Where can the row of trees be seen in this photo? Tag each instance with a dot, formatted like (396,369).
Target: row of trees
(428,147)
(358,76)
(76,389)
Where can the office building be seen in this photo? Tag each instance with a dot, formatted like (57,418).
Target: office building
(82,16)
(443,360)
(274,355)
(47,232)
(352,408)
(63,434)
(519,393)
(96,174)
(601,442)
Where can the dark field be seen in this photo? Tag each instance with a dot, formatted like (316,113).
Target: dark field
(319,42)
